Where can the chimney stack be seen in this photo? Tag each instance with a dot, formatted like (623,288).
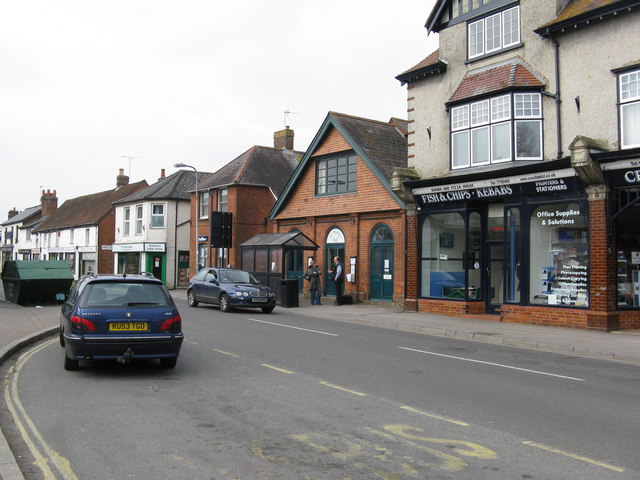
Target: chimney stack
(12,213)
(121,179)
(283,139)
(48,202)
(161,174)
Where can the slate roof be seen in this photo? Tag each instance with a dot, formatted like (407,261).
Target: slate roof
(176,186)
(266,166)
(23,215)
(579,12)
(88,209)
(513,74)
(432,65)
(382,146)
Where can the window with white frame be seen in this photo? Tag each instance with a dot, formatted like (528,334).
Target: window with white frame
(204,205)
(222,200)
(71,236)
(494,33)
(139,217)
(495,130)
(87,236)
(157,215)
(126,221)
(629,88)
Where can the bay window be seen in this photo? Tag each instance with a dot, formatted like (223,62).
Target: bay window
(492,131)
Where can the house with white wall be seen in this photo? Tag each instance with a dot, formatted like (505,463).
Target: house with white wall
(152,229)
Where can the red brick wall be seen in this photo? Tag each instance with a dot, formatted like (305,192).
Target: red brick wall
(356,214)
(106,236)
(250,206)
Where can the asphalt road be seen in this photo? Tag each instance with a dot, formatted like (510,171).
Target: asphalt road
(257,396)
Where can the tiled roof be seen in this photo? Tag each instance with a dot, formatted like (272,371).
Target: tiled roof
(267,166)
(176,186)
(429,66)
(584,11)
(88,209)
(514,74)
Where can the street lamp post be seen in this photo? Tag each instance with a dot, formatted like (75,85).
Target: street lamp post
(184,165)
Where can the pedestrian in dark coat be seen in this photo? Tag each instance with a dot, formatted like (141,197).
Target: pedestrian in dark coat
(315,287)
(337,275)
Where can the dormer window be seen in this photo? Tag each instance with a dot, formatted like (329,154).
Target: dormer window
(494,33)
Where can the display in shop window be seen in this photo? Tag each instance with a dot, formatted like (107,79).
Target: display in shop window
(563,271)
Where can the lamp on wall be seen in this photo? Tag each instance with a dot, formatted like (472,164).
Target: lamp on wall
(184,165)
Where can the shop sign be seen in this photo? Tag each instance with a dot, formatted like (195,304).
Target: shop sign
(624,173)
(127,247)
(154,247)
(558,181)
(86,249)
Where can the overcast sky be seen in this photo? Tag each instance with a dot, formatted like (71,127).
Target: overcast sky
(84,84)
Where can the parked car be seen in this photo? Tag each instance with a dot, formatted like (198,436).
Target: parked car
(120,317)
(229,288)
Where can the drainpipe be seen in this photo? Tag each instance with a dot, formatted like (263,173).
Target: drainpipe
(556,96)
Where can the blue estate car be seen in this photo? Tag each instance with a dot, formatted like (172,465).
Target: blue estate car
(120,317)
(229,288)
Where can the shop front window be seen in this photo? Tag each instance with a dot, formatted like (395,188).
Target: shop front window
(559,255)
(129,262)
(474,256)
(513,252)
(443,246)
(628,259)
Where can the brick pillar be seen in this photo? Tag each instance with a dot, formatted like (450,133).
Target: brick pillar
(602,264)
(412,261)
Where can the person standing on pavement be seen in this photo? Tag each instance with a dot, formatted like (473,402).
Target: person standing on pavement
(337,275)
(315,287)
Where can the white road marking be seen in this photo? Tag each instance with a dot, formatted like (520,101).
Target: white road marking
(291,326)
(493,364)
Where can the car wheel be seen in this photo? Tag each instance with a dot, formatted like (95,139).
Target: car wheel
(267,309)
(191,299)
(61,337)
(70,363)
(225,303)
(168,362)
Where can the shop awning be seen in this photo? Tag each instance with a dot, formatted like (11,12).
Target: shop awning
(290,240)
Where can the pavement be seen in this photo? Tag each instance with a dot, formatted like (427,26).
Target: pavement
(21,326)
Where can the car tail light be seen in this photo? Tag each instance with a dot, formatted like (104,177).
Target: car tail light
(83,324)
(173,323)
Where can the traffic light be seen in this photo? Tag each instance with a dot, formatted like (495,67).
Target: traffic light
(221,229)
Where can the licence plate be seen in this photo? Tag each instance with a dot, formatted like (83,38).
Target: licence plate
(128,327)
(260,300)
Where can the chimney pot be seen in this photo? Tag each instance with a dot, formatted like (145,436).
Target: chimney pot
(121,179)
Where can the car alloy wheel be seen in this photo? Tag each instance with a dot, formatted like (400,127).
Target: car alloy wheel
(191,299)
(225,305)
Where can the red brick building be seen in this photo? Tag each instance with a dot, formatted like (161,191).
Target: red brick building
(246,188)
(341,197)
